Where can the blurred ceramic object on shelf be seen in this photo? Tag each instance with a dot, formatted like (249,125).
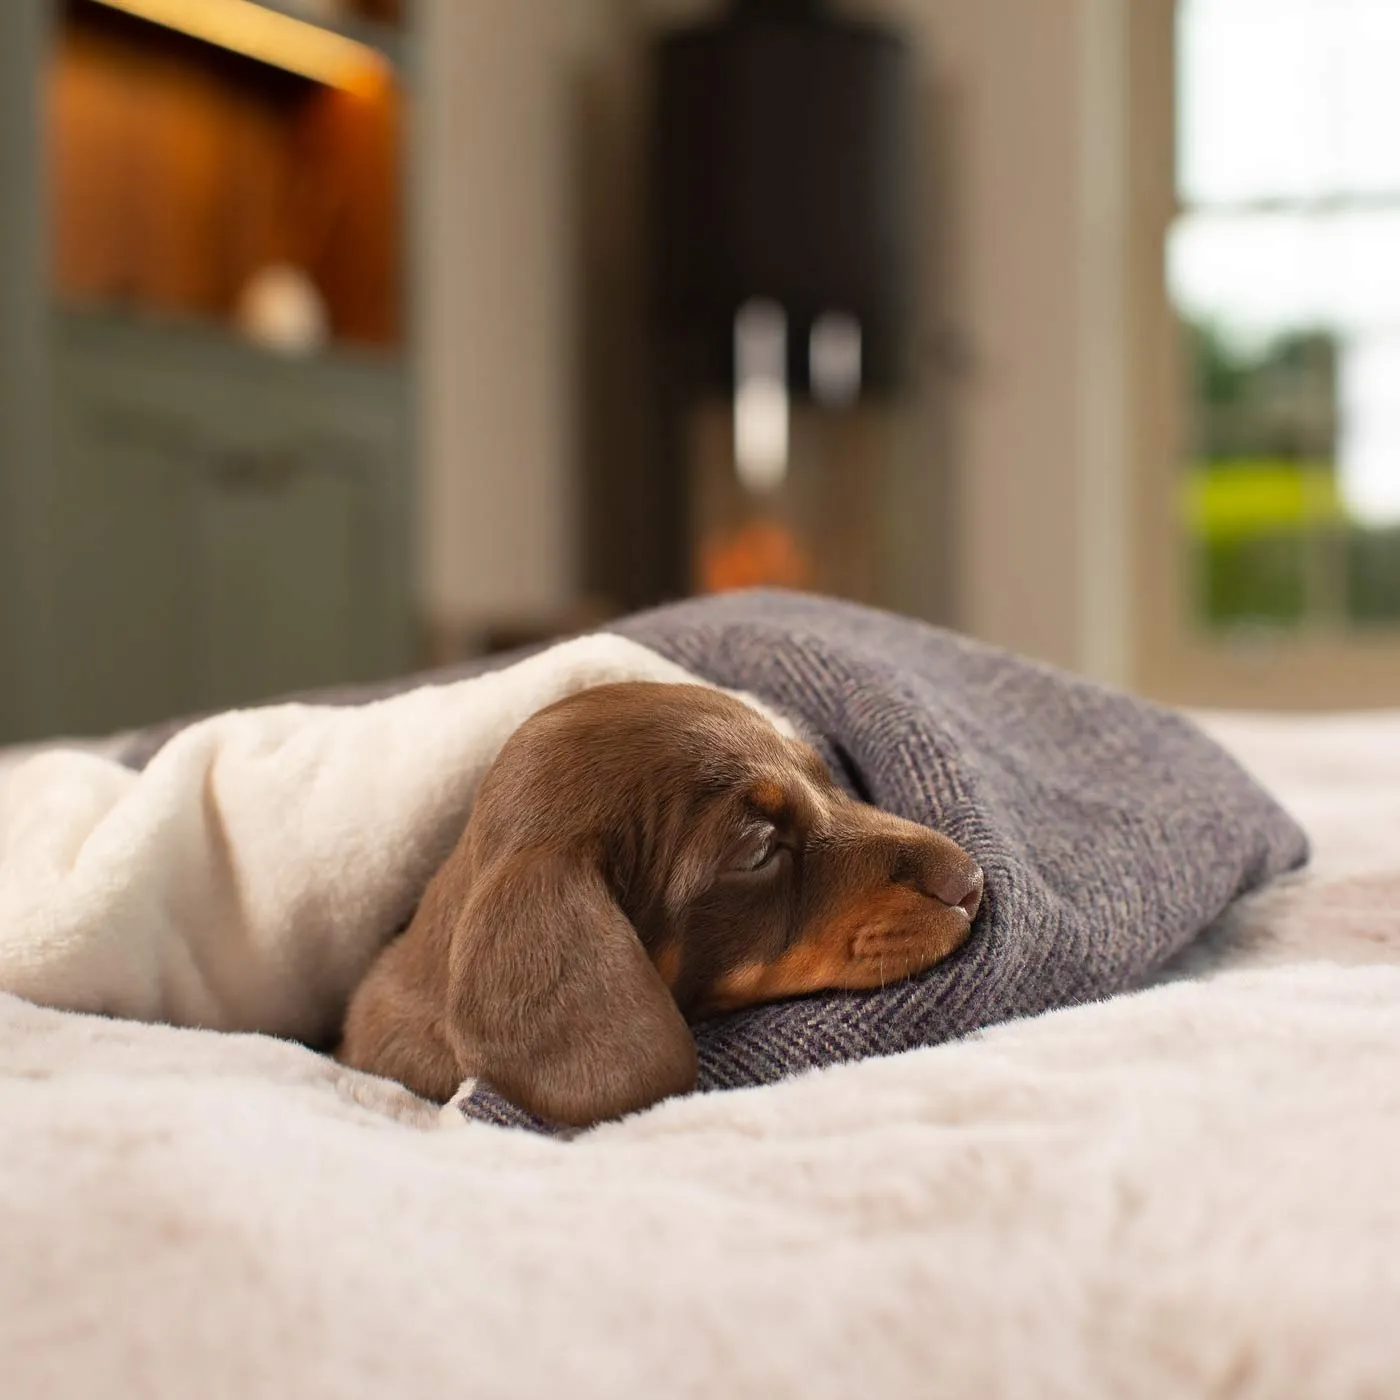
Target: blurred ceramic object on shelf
(281,309)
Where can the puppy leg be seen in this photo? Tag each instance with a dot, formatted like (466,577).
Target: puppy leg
(394,1027)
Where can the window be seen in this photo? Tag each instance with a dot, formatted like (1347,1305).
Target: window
(1283,268)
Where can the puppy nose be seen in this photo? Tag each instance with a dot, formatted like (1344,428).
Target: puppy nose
(956,883)
(936,866)
(963,887)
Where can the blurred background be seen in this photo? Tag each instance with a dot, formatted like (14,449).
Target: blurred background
(340,338)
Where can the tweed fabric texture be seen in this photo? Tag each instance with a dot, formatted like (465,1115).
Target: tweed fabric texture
(1111,831)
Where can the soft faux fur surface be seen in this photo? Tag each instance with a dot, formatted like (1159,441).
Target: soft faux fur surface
(1185,1192)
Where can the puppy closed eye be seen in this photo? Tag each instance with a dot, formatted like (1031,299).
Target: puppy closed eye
(756,852)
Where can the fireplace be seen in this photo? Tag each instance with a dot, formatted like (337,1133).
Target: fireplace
(783,277)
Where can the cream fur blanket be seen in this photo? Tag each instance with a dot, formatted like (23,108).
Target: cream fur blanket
(1189,1191)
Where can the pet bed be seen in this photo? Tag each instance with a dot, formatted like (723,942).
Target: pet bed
(246,876)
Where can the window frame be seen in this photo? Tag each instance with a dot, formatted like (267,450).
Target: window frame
(1175,658)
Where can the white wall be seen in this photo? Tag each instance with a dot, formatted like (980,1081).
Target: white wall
(496,298)
(1036,204)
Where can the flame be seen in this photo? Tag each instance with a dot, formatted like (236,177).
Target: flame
(759,553)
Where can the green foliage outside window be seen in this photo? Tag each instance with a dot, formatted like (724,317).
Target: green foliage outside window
(1271,540)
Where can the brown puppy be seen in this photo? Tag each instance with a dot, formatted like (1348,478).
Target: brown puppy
(641,856)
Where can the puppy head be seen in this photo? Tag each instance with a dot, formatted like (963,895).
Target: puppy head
(642,856)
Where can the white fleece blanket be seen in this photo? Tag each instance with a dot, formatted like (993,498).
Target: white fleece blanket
(246,878)
(1189,1191)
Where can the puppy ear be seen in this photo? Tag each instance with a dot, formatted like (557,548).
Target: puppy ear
(553,1000)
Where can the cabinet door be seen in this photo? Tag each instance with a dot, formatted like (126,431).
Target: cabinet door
(124,614)
(224,534)
(286,556)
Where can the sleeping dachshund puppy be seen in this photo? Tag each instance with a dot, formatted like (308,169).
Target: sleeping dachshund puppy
(640,857)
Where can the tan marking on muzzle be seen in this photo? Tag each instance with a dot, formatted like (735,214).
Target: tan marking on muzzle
(873,940)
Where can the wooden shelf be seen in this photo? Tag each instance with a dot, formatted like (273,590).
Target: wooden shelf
(386,39)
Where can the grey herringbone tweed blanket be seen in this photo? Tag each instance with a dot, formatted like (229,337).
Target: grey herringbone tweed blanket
(1111,831)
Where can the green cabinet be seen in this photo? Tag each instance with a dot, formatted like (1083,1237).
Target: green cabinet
(187,522)
(227,525)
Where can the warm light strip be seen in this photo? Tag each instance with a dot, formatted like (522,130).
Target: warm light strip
(270,37)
